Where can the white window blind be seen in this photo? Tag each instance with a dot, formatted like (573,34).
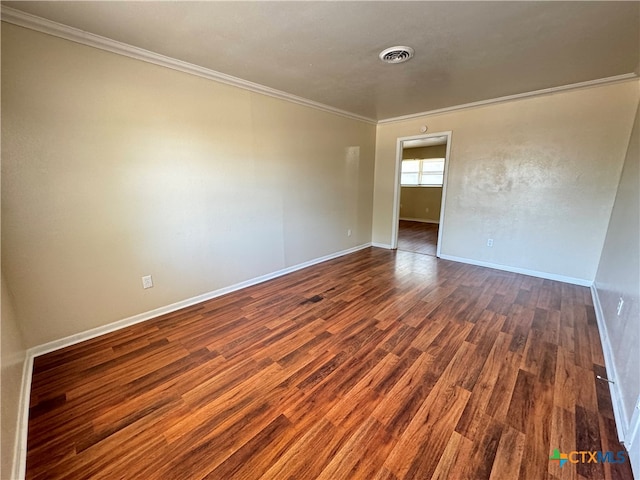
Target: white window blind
(422,172)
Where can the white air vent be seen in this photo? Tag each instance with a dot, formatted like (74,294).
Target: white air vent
(396,54)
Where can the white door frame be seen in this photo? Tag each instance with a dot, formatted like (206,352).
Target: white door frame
(396,188)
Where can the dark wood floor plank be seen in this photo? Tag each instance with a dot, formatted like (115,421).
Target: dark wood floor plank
(522,401)
(307,457)
(418,237)
(425,439)
(397,408)
(254,457)
(377,365)
(479,455)
(588,439)
(450,457)
(563,437)
(506,371)
(493,376)
(508,455)
(362,455)
(537,444)
(565,385)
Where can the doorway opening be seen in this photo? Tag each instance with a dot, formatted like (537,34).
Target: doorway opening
(420,192)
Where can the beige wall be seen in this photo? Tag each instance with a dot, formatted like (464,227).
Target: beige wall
(115,168)
(537,175)
(421,203)
(434,151)
(619,276)
(13,356)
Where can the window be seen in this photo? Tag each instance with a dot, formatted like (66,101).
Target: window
(425,173)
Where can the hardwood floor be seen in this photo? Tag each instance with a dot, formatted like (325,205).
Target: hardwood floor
(418,237)
(379,365)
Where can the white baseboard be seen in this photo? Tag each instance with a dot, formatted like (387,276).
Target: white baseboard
(20,448)
(381,245)
(634,445)
(20,452)
(111,327)
(622,425)
(532,273)
(421,220)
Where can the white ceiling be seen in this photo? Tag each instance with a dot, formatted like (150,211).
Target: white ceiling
(327,52)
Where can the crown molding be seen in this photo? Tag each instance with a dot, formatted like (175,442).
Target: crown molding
(49,27)
(536,93)
(39,24)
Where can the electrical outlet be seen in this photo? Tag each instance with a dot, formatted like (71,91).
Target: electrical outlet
(620,304)
(147,281)
(490,242)
(349,233)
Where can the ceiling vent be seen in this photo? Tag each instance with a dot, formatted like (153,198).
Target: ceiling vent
(396,54)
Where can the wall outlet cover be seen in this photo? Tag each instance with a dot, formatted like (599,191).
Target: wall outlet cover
(147,281)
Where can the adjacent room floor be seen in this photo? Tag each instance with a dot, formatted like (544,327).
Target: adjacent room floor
(376,365)
(418,237)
